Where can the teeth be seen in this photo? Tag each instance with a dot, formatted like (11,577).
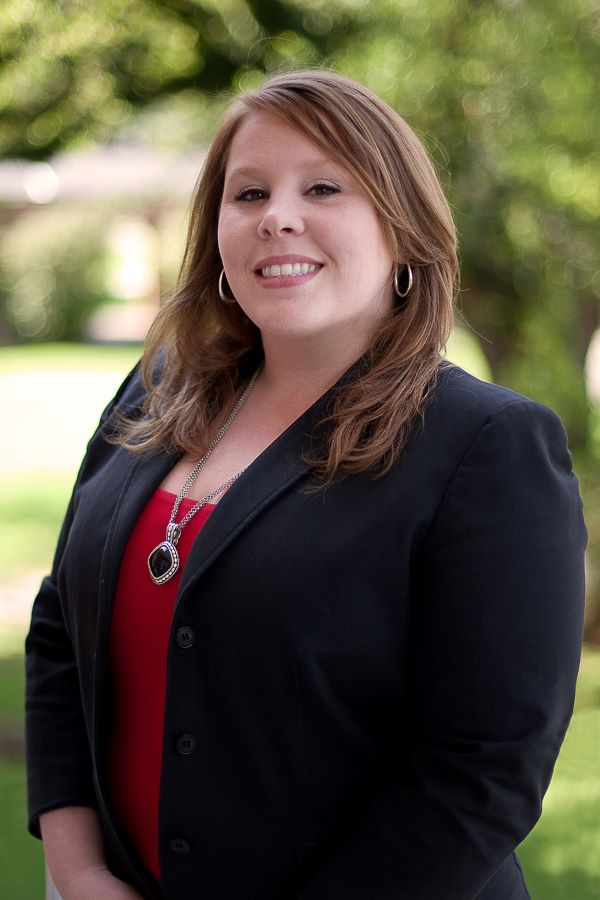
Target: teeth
(287,269)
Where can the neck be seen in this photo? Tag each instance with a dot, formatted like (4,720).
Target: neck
(305,367)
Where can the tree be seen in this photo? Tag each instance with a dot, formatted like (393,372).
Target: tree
(507,88)
(503,92)
(72,70)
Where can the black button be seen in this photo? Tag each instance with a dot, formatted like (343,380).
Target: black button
(186,744)
(185,637)
(178,845)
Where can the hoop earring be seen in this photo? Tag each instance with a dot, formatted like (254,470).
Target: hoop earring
(406,292)
(222,294)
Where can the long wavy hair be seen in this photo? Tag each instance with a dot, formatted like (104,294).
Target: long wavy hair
(200,350)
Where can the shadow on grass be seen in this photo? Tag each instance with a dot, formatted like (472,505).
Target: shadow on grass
(12,678)
(21,858)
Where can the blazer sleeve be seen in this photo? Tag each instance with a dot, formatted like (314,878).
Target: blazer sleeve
(59,766)
(498,615)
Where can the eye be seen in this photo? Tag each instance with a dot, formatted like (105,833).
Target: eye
(248,194)
(323,189)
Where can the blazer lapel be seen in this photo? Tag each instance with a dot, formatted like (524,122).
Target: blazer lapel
(277,469)
(142,475)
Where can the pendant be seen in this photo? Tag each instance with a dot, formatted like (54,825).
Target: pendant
(163,562)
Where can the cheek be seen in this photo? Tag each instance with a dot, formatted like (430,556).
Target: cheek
(224,231)
(360,229)
(362,249)
(376,249)
(234,236)
(222,235)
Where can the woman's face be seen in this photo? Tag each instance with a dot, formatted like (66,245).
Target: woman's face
(301,243)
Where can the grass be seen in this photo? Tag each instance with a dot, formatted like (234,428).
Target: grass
(21,859)
(58,391)
(70,357)
(561,856)
(32,506)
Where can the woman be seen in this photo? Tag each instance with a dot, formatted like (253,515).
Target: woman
(314,621)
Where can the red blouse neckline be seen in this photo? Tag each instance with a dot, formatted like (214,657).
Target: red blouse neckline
(172,496)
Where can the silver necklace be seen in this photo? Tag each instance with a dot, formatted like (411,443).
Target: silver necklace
(163,561)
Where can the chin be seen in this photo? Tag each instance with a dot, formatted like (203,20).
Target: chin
(284,322)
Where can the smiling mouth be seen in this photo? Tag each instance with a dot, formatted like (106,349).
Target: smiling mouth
(287,270)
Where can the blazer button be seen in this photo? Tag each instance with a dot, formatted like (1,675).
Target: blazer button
(186,744)
(185,637)
(178,845)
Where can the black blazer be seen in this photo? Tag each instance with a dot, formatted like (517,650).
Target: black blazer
(378,676)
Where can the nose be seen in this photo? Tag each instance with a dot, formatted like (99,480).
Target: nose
(281,216)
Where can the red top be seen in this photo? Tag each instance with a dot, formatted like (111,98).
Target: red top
(139,639)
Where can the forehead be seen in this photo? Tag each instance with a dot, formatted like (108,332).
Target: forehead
(264,139)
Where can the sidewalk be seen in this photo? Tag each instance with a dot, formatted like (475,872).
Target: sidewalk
(48,418)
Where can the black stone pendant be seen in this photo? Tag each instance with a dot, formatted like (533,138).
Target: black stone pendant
(163,562)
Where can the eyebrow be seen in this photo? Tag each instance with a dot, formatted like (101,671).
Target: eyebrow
(317,162)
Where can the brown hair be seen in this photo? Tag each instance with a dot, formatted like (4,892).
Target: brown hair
(204,348)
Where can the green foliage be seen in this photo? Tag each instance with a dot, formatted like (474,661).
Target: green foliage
(74,70)
(51,267)
(507,88)
(589,477)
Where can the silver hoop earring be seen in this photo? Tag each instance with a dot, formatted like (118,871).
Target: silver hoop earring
(222,294)
(408,288)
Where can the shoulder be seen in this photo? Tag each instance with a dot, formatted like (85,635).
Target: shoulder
(459,392)
(505,471)
(471,427)
(462,405)
(129,397)
(128,401)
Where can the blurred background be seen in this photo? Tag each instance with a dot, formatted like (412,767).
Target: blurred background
(105,111)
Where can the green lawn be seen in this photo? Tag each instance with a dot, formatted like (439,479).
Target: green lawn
(32,506)
(21,859)
(561,857)
(71,357)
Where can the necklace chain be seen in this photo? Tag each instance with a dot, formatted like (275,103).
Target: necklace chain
(163,561)
(189,481)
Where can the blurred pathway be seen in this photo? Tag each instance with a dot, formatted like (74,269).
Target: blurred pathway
(15,608)
(47,418)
